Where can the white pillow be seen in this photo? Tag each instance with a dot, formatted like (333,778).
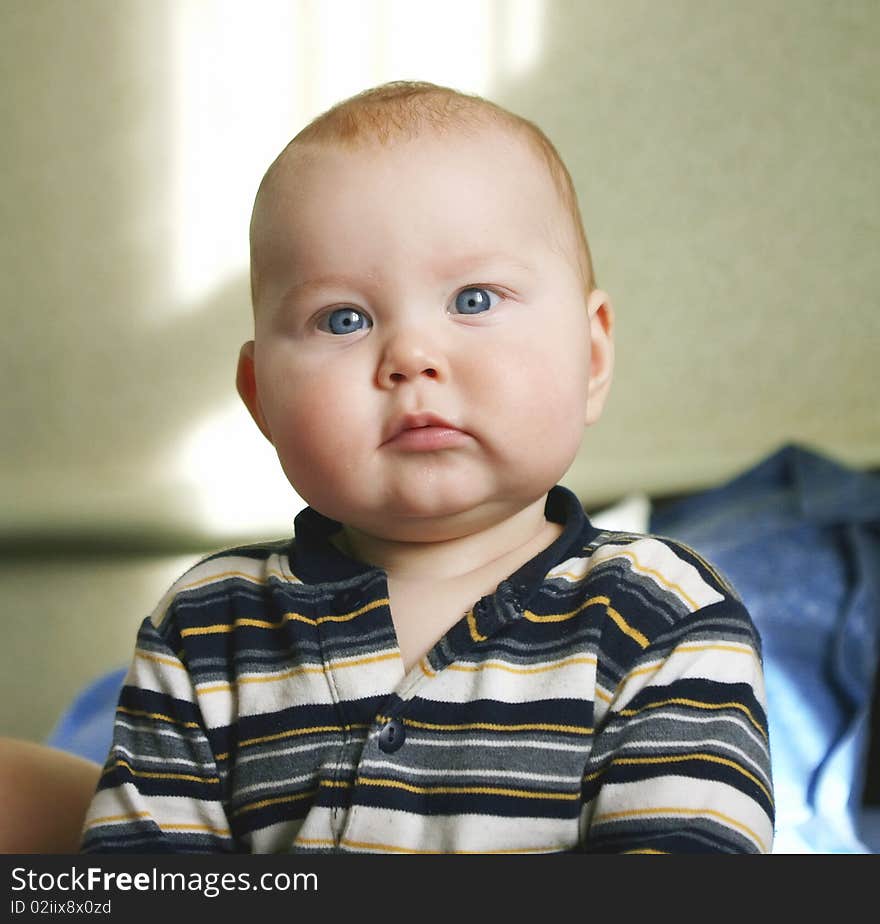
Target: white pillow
(631,514)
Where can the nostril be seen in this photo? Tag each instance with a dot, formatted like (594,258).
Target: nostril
(397,376)
(431,373)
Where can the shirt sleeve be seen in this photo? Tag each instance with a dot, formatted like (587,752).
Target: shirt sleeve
(681,757)
(160,790)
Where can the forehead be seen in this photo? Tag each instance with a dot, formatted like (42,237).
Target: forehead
(461,188)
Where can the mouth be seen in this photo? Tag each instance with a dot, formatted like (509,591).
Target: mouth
(424,432)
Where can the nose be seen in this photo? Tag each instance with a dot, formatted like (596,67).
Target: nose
(409,355)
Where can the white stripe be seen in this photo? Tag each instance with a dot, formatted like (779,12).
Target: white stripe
(450,833)
(734,663)
(743,723)
(574,680)
(571,570)
(274,838)
(205,573)
(185,734)
(475,774)
(144,759)
(651,748)
(657,562)
(282,752)
(169,812)
(371,679)
(688,794)
(536,743)
(279,784)
(149,674)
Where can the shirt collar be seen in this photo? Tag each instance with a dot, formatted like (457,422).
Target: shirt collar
(314,559)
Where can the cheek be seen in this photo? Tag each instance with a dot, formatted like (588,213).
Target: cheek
(312,417)
(539,383)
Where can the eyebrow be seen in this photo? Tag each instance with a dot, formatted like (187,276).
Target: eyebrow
(472,262)
(328,281)
(448,268)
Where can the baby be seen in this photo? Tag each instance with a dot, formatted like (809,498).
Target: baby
(447,656)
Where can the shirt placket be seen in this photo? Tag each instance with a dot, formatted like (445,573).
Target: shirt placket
(386,740)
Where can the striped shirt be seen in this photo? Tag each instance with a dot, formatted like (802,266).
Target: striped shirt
(608,697)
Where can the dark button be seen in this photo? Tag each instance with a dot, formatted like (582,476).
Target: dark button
(392,736)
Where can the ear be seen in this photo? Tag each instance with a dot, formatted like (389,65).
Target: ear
(246,383)
(601,314)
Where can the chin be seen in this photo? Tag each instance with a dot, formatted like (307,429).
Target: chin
(439,518)
(426,516)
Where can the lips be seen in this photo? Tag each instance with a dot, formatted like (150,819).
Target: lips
(423,432)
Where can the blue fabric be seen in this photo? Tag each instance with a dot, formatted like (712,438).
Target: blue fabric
(799,537)
(86,726)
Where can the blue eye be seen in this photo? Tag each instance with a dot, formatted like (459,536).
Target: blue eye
(474,300)
(345,321)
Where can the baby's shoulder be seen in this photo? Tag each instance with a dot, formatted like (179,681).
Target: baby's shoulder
(658,561)
(220,576)
(651,585)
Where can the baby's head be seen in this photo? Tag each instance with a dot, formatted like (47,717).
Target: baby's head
(429,341)
(402,110)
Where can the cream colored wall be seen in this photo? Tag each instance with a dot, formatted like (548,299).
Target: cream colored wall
(726,159)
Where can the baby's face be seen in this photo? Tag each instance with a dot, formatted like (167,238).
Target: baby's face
(421,359)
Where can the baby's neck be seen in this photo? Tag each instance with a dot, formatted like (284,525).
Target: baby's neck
(504,546)
(431,585)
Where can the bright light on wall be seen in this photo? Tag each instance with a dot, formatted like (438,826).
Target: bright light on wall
(522,34)
(234,74)
(235,477)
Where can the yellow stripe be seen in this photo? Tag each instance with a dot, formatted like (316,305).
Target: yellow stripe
(155,715)
(492,665)
(491,726)
(227,574)
(151,775)
(344,617)
(647,850)
(228,627)
(681,701)
(173,826)
(675,588)
(253,806)
(296,732)
(336,665)
(573,575)
(394,848)
(562,617)
(169,662)
(315,842)
(221,628)
(626,629)
(472,627)
(593,601)
(166,825)
(474,790)
(263,803)
(670,810)
(678,758)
